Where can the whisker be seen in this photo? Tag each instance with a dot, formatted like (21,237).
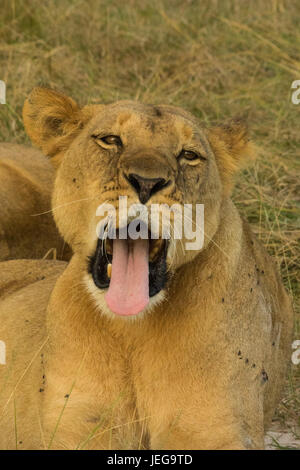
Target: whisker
(209,238)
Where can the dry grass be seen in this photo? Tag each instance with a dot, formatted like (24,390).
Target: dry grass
(216,58)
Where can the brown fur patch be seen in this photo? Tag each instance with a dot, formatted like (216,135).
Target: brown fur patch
(52,120)
(232,148)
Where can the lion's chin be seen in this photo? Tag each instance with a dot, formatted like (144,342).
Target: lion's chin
(98,298)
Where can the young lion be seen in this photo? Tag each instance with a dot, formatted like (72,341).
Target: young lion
(203,365)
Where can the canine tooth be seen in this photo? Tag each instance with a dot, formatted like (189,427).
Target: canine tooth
(155,249)
(109,270)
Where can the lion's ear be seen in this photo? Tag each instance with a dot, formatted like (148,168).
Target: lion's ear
(52,120)
(232,148)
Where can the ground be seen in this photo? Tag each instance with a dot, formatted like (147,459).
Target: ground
(217,59)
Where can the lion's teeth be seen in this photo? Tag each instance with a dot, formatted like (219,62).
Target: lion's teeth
(154,249)
(109,270)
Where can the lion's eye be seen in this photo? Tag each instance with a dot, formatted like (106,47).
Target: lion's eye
(109,139)
(190,156)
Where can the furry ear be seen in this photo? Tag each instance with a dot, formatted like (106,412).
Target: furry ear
(52,120)
(232,148)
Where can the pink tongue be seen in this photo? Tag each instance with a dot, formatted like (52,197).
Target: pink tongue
(128,292)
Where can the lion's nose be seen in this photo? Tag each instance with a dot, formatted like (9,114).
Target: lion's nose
(146,187)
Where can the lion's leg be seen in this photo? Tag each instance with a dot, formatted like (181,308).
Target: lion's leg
(192,415)
(82,425)
(204,432)
(201,432)
(80,412)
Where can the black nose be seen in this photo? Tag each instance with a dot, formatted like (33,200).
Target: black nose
(146,187)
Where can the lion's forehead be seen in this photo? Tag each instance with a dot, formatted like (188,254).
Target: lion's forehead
(146,119)
(154,110)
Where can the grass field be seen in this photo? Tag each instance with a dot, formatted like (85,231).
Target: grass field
(217,59)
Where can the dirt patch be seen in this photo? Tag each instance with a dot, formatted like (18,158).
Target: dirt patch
(282,439)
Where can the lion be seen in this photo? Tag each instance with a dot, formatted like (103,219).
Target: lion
(141,343)
(27,228)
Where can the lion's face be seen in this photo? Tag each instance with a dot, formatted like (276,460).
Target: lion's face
(152,155)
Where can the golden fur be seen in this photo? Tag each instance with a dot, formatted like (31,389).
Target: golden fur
(204,368)
(27,228)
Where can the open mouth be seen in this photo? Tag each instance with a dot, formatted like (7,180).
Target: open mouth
(131,270)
